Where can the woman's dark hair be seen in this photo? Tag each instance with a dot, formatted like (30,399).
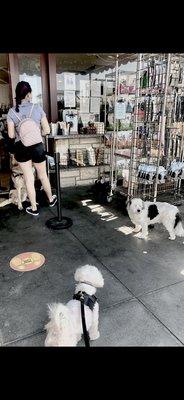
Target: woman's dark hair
(22,89)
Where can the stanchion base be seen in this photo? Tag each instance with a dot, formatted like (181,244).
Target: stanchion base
(53,223)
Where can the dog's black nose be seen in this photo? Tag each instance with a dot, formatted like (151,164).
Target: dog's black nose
(138,210)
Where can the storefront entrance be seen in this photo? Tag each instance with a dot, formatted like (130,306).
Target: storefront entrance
(33,68)
(77,93)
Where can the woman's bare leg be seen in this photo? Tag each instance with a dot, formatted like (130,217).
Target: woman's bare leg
(27,170)
(42,175)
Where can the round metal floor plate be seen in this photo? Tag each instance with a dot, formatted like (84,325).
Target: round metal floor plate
(27,261)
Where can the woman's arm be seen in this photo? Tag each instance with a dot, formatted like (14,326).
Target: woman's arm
(11,129)
(45,126)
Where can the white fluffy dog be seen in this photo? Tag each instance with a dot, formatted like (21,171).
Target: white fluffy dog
(65,325)
(19,194)
(144,213)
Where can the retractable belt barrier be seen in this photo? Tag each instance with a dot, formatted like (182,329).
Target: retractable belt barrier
(58,222)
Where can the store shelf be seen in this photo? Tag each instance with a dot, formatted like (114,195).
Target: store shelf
(121,155)
(76,136)
(73,168)
(121,190)
(3,192)
(122,131)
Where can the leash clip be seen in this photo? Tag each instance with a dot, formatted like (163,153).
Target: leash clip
(81,295)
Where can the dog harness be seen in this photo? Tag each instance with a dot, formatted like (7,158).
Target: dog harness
(89,301)
(15,175)
(18,174)
(86,299)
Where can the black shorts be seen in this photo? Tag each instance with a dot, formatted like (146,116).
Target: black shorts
(36,153)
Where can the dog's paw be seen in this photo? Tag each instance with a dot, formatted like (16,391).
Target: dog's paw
(20,208)
(135,230)
(140,236)
(94,336)
(172,237)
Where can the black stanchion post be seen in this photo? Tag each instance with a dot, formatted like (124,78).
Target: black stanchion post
(58,222)
(58,187)
(47,152)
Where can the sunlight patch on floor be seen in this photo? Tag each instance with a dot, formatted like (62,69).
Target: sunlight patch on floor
(105,214)
(94,206)
(84,202)
(100,210)
(127,230)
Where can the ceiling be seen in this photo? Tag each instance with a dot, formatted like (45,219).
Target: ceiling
(4,74)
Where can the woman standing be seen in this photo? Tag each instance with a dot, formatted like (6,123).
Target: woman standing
(34,155)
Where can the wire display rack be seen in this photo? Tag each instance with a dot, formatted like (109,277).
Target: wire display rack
(119,137)
(146,171)
(174,134)
(154,163)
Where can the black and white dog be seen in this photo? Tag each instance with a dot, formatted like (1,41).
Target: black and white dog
(143,213)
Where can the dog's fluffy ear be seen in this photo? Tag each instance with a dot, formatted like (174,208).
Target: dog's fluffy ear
(91,274)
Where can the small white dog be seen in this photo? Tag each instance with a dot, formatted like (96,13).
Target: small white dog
(144,213)
(65,325)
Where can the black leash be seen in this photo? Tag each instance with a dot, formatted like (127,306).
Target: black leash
(85,332)
(89,301)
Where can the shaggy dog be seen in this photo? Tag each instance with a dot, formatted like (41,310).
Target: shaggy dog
(19,195)
(143,213)
(65,325)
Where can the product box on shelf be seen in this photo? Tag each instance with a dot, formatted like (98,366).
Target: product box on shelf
(99,128)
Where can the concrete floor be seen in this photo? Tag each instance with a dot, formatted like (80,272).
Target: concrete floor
(142,301)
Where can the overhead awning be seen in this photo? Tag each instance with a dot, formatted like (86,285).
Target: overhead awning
(82,63)
(96,62)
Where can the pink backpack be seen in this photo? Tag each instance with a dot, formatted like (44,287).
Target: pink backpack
(28,130)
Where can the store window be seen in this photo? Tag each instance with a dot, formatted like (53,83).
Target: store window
(30,71)
(125,96)
(86,91)
(95,103)
(80,93)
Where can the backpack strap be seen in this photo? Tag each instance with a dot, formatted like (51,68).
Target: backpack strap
(19,117)
(16,114)
(31,111)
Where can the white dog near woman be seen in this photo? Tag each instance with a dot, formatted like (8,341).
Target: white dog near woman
(145,213)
